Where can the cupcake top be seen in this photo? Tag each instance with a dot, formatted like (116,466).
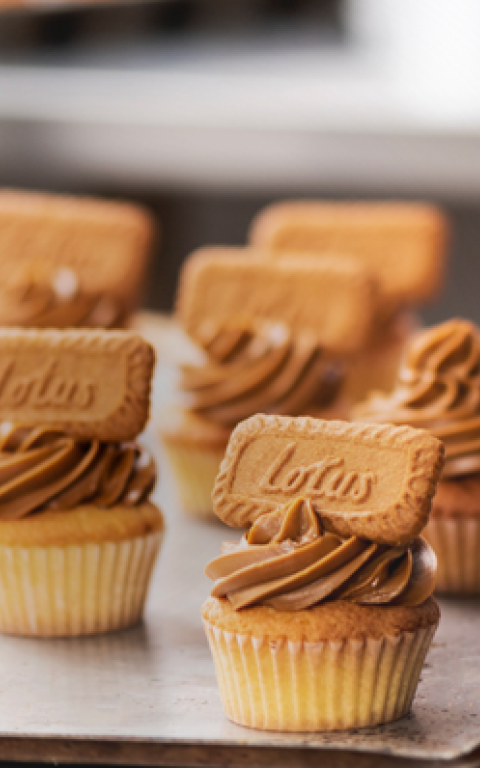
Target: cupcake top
(334,300)
(57,301)
(105,245)
(323,523)
(289,562)
(438,388)
(271,332)
(71,405)
(267,369)
(43,468)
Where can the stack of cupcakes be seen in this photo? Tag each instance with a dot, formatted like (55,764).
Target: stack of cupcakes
(78,534)
(70,262)
(321,616)
(401,244)
(438,388)
(272,333)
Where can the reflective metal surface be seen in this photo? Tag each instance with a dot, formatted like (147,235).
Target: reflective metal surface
(156,683)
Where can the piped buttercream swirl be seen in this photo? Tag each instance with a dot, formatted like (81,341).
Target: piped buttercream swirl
(288,562)
(263,371)
(438,388)
(57,302)
(43,468)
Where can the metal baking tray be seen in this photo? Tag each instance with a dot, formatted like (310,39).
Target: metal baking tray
(148,695)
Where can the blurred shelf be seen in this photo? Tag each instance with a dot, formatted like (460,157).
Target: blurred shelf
(288,114)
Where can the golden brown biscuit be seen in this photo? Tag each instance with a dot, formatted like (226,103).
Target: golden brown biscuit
(374,482)
(105,243)
(334,300)
(403,244)
(92,384)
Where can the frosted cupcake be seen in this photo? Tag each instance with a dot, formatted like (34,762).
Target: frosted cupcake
(78,533)
(438,388)
(271,336)
(58,301)
(267,370)
(70,262)
(321,620)
(402,244)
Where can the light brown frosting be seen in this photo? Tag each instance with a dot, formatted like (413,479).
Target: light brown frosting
(42,468)
(263,371)
(288,562)
(438,388)
(57,302)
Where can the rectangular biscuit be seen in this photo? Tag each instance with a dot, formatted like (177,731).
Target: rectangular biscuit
(91,384)
(231,287)
(371,481)
(105,243)
(402,243)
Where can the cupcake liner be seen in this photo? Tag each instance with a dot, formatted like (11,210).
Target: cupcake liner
(195,470)
(75,590)
(456,542)
(281,685)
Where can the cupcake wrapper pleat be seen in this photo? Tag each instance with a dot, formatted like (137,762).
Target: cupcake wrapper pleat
(456,542)
(195,471)
(75,590)
(281,685)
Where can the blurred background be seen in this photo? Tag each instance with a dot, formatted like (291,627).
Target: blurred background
(206,110)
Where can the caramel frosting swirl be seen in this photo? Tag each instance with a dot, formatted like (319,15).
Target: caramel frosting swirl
(43,468)
(261,371)
(287,561)
(438,388)
(57,302)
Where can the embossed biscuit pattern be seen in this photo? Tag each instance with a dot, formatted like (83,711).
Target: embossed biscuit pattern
(335,300)
(391,519)
(91,384)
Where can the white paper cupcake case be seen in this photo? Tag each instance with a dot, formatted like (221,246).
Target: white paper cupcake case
(299,686)
(75,590)
(456,542)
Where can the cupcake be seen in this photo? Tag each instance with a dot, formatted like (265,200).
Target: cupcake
(70,262)
(266,370)
(438,388)
(79,534)
(57,301)
(376,366)
(320,619)
(261,353)
(401,244)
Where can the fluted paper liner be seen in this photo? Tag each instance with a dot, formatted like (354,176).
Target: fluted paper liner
(77,589)
(281,685)
(195,470)
(456,542)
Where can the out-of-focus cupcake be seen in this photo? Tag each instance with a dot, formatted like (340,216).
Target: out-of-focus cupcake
(402,245)
(376,366)
(78,533)
(268,370)
(438,388)
(256,365)
(57,302)
(310,628)
(70,262)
